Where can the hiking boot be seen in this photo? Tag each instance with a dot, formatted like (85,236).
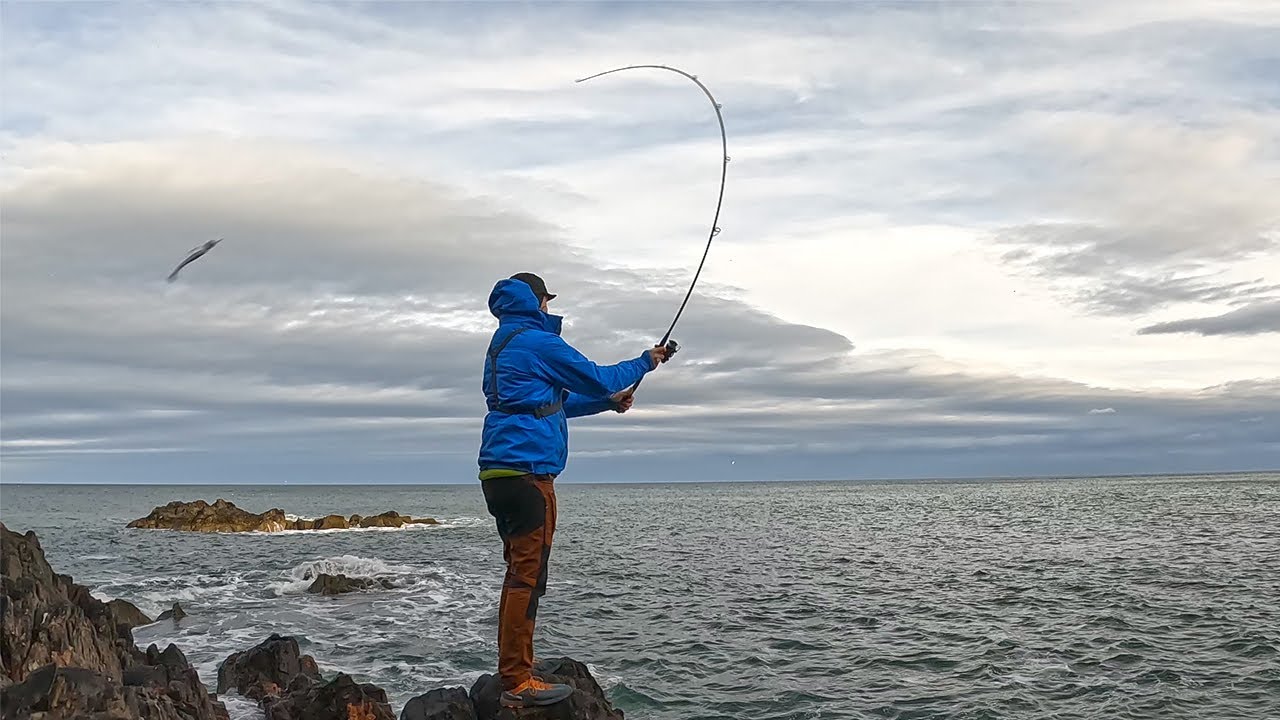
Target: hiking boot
(533,692)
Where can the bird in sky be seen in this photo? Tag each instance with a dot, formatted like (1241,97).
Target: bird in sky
(192,256)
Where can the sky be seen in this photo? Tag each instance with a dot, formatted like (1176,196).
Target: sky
(958,239)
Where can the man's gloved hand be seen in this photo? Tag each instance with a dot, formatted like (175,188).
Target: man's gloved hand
(622,400)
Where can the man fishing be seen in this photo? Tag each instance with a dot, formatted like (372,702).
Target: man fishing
(533,382)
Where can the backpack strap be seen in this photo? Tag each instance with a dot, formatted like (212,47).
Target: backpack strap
(541,412)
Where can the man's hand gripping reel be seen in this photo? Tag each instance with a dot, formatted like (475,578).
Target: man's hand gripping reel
(672,346)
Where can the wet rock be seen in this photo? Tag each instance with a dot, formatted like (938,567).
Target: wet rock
(60,692)
(223,516)
(48,619)
(339,699)
(128,614)
(588,701)
(268,669)
(326,584)
(391,518)
(174,613)
(66,654)
(394,519)
(440,704)
(331,522)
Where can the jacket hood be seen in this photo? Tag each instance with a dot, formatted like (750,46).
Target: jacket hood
(513,303)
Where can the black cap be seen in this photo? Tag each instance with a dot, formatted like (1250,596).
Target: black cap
(535,282)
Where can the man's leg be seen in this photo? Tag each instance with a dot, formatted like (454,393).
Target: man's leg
(524,508)
(546,487)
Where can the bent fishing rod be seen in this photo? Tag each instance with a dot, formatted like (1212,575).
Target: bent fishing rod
(670,344)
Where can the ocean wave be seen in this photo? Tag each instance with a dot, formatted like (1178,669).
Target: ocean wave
(440,524)
(299,578)
(153,595)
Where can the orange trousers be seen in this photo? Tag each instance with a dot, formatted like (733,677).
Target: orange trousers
(525,510)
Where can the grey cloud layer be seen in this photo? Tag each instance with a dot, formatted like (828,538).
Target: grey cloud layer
(1248,320)
(341,325)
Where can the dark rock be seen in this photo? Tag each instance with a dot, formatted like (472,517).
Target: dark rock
(66,654)
(269,669)
(146,676)
(588,701)
(62,692)
(128,614)
(440,704)
(340,699)
(331,522)
(391,518)
(327,584)
(47,618)
(174,613)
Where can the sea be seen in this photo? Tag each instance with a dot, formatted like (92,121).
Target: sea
(1134,597)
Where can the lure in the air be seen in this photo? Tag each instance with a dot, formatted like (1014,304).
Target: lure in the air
(192,256)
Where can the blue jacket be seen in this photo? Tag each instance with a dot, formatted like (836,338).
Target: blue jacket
(535,369)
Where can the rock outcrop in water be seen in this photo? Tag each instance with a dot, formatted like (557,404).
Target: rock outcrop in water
(66,654)
(266,669)
(174,613)
(326,584)
(223,516)
(128,614)
(288,685)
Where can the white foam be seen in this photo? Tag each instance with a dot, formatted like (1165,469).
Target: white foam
(607,682)
(464,522)
(300,577)
(241,708)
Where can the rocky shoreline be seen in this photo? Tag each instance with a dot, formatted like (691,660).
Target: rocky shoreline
(223,516)
(65,654)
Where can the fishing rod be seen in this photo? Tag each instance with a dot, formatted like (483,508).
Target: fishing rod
(671,345)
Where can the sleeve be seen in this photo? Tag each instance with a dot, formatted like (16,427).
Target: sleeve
(570,369)
(578,405)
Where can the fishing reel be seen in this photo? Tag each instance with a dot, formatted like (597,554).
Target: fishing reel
(672,347)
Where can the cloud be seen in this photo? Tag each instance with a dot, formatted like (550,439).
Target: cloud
(1253,319)
(280,347)
(911,198)
(1102,411)
(1157,211)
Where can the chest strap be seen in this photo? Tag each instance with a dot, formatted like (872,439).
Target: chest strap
(541,412)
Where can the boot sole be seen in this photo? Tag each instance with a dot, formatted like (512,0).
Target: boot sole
(519,704)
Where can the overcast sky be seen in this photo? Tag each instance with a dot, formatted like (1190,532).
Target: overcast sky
(959,240)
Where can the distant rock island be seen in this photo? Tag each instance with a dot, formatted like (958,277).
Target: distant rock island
(225,517)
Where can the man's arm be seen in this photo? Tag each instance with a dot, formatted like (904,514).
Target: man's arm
(570,369)
(579,405)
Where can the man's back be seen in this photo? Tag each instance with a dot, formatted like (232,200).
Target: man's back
(533,381)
